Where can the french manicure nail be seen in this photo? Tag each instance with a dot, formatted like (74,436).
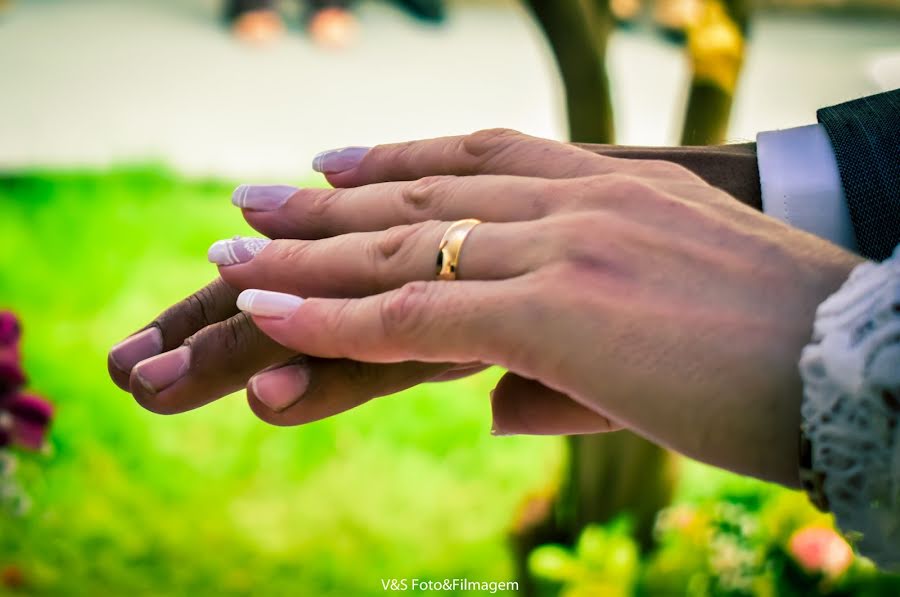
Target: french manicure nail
(338,160)
(281,388)
(268,304)
(159,372)
(236,250)
(262,197)
(131,351)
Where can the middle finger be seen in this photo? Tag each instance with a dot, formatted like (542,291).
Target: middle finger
(280,211)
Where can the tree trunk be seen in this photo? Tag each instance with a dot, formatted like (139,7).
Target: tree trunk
(715,46)
(577,31)
(607,474)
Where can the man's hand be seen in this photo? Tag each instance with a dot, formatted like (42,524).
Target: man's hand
(638,293)
(211,350)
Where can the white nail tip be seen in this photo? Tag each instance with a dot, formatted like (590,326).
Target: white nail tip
(221,253)
(266,303)
(239,196)
(237,250)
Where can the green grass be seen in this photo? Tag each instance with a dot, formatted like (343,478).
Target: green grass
(214,501)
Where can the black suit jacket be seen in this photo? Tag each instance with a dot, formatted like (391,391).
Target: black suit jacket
(865,135)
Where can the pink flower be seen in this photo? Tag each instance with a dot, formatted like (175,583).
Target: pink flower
(820,549)
(9,329)
(11,378)
(26,420)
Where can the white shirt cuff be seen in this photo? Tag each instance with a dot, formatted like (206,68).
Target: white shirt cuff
(801,184)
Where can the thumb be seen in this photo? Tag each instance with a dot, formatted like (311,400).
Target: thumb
(524,406)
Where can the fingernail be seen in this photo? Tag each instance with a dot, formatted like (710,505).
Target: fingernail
(281,388)
(159,372)
(338,160)
(131,351)
(268,304)
(236,250)
(262,197)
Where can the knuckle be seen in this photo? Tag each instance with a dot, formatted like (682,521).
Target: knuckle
(616,189)
(393,251)
(666,169)
(199,308)
(425,194)
(337,322)
(390,244)
(489,141)
(403,311)
(229,337)
(236,334)
(402,153)
(621,184)
(547,197)
(574,229)
(578,193)
(317,201)
(285,254)
(360,375)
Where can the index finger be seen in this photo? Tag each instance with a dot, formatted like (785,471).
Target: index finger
(211,304)
(492,151)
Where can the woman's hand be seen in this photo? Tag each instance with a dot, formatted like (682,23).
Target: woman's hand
(644,294)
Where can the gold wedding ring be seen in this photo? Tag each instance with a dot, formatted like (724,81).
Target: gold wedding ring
(450,247)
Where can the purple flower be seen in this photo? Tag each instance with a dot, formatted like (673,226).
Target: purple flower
(11,375)
(11,378)
(26,419)
(9,329)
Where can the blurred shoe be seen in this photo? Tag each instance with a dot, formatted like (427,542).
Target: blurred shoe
(427,10)
(334,28)
(258,26)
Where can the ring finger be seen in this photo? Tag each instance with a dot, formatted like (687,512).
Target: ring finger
(364,263)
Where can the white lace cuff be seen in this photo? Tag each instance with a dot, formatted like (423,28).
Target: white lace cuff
(851,407)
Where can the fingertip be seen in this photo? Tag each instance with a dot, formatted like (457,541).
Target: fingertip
(506,413)
(344,179)
(267,304)
(123,357)
(145,396)
(281,387)
(521,406)
(265,414)
(118,377)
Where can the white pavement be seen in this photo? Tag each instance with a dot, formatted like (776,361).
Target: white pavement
(99,82)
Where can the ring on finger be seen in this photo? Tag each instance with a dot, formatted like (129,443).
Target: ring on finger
(451,246)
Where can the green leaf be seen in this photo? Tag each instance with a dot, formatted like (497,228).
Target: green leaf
(553,562)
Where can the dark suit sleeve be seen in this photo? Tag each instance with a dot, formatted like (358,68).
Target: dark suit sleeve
(865,134)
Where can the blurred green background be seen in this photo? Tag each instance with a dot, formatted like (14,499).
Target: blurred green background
(214,502)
